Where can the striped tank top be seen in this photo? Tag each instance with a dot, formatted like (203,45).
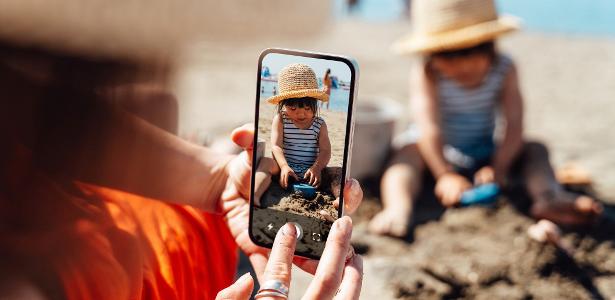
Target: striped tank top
(468,116)
(301,145)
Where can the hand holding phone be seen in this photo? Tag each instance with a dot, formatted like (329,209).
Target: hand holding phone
(340,275)
(304,116)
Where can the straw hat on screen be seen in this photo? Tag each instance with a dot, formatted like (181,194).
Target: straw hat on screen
(150,29)
(444,25)
(297,81)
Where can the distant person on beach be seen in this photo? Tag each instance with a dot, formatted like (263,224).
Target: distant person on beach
(327,83)
(457,94)
(99,197)
(275,91)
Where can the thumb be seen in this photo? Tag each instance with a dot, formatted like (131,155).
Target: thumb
(243,136)
(240,168)
(240,290)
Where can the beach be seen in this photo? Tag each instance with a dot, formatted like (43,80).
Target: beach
(477,253)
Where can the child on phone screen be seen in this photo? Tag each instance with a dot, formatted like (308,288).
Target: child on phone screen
(299,136)
(459,91)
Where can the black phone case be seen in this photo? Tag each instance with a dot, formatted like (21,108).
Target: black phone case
(264,223)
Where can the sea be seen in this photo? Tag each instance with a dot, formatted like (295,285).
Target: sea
(574,17)
(338,101)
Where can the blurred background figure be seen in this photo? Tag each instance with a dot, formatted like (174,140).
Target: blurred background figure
(327,84)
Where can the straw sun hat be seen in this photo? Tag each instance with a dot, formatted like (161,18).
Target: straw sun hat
(297,81)
(443,25)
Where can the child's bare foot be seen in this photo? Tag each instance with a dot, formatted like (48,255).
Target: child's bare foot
(390,222)
(567,208)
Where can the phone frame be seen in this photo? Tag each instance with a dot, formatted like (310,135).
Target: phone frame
(354,78)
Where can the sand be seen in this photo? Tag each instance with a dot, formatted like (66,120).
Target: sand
(568,86)
(279,206)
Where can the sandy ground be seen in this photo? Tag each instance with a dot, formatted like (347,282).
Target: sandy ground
(568,83)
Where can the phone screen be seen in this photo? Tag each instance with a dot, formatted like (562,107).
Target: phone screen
(303,135)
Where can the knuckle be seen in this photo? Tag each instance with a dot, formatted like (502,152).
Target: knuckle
(279,271)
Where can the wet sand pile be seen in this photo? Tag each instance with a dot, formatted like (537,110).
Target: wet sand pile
(296,203)
(485,253)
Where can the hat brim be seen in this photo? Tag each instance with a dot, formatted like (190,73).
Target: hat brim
(457,39)
(314,93)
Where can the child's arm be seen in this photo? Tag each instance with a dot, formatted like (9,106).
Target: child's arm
(277,144)
(449,185)
(313,174)
(512,107)
(426,114)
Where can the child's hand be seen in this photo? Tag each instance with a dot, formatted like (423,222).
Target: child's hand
(449,188)
(484,175)
(285,173)
(313,176)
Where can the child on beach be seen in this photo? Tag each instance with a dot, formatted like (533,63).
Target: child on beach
(459,91)
(299,136)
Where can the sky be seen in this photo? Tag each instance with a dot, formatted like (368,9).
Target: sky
(277,61)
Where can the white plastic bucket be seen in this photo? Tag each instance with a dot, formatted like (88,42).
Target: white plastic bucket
(374,128)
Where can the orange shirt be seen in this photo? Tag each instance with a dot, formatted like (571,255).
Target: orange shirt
(82,241)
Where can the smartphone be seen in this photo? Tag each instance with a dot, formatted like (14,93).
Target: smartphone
(302,143)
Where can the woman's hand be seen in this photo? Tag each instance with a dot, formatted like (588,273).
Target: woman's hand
(285,173)
(313,175)
(449,188)
(235,206)
(338,276)
(484,175)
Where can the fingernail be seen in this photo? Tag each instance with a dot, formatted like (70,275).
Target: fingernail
(350,182)
(244,277)
(355,187)
(344,224)
(289,229)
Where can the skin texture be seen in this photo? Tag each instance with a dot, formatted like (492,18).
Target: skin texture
(338,276)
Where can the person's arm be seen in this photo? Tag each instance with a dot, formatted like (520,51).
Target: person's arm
(324,148)
(512,109)
(95,142)
(277,141)
(449,184)
(277,144)
(425,107)
(314,173)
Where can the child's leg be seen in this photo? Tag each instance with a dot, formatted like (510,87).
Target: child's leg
(400,186)
(262,179)
(549,200)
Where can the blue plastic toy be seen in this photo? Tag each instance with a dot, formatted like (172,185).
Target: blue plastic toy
(481,195)
(306,190)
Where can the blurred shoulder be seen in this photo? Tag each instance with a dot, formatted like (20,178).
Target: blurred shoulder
(505,62)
